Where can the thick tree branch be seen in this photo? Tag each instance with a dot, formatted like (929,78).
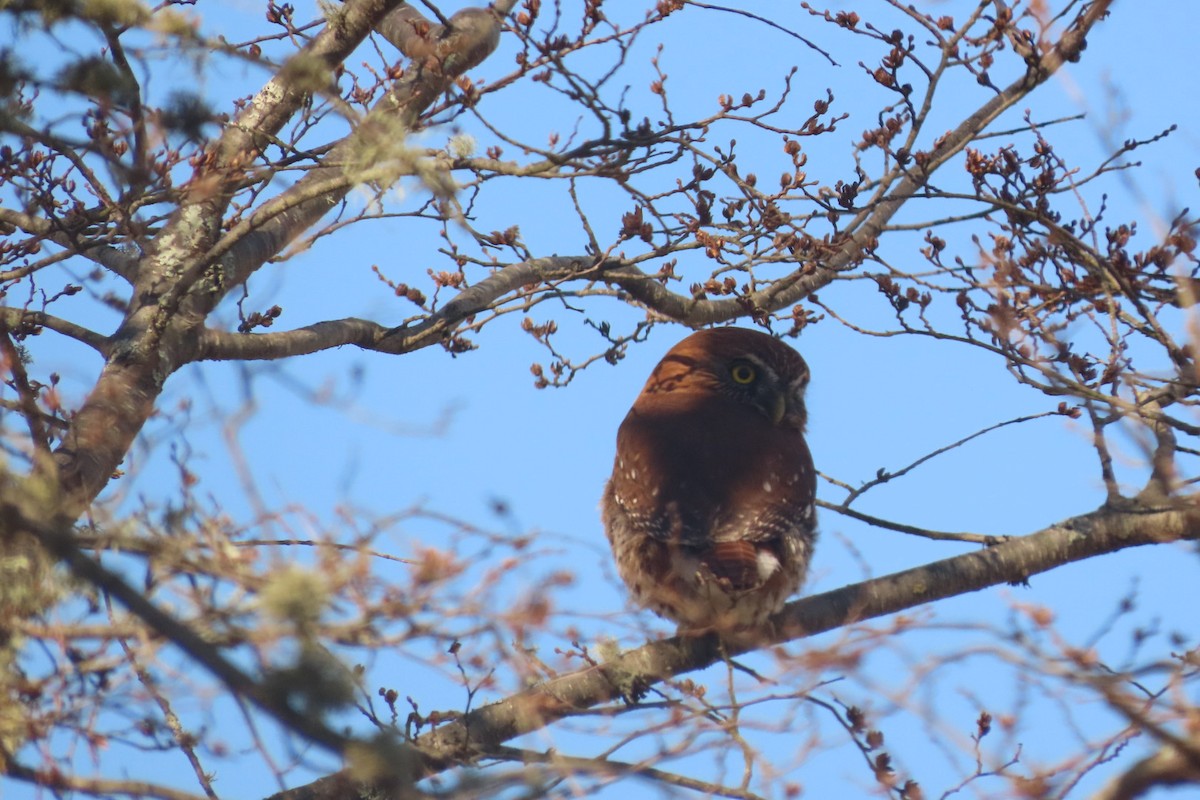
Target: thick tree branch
(283,95)
(153,340)
(470,37)
(183,254)
(227,346)
(1103,531)
(1107,530)
(441,324)
(379,139)
(434,328)
(1167,767)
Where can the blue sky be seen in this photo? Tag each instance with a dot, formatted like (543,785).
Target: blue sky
(455,435)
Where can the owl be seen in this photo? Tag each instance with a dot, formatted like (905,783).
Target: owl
(710,507)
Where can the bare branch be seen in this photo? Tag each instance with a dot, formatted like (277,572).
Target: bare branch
(1103,531)
(18,318)
(124,395)
(59,780)
(470,37)
(59,540)
(107,256)
(925,533)
(378,138)
(432,329)
(887,475)
(1166,767)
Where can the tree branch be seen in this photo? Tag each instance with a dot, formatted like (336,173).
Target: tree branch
(18,318)
(864,231)
(56,779)
(155,337)
(23,511)
(1166,767)
(380,138)
(227,346)
(107,256)
(644,288)
(470,37)
(434,328)
(1106,530)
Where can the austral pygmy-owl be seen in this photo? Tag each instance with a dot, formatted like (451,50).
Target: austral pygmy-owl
(710,508)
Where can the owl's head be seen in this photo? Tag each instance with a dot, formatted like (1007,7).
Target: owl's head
(747,366)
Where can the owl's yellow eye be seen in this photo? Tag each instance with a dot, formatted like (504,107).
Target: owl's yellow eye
(743,373)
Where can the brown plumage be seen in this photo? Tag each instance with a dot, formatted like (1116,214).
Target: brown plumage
(710,508)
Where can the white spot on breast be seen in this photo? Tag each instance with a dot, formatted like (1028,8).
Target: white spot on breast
(633,474)
(767,564)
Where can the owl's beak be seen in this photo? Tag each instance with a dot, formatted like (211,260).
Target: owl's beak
(778,408)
